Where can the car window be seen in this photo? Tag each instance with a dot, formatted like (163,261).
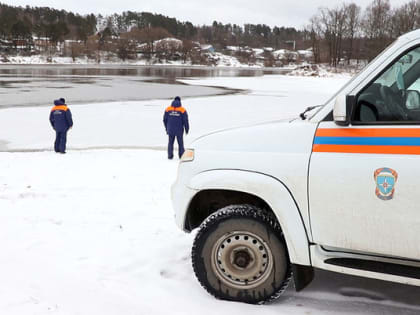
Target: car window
(395,95)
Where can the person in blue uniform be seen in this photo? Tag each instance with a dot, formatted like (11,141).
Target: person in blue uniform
(175,121)
(61,121)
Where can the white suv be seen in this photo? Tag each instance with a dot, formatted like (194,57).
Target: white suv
(336,191)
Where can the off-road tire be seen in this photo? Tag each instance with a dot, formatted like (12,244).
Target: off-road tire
(240,242)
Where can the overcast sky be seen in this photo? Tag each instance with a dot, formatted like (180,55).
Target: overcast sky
(294,13)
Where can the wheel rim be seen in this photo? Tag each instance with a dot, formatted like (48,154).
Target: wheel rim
(242,260)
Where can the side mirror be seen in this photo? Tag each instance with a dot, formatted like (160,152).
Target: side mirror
(412,99)
(342,109)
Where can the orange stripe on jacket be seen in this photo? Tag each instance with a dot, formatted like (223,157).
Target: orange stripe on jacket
(60,107)
(177,109)
(368,132)
(372,149)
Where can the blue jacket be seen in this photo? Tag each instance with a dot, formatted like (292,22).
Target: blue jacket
(60,117)
(175,119)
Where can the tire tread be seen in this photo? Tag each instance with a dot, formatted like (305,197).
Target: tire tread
(240,211)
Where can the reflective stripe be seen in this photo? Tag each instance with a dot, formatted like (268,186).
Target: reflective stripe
(59,107)
(177,109)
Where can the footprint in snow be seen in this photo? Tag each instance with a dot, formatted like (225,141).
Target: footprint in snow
(166,274)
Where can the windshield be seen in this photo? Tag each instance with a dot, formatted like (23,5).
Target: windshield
(354,78)
(395,94)
(394,76)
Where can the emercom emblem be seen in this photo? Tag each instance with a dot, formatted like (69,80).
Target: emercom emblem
(385,179)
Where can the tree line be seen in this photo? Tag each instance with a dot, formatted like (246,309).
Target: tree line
(346,32)
(57,25)
(337,35)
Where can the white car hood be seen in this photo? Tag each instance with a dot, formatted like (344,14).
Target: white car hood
(277,136)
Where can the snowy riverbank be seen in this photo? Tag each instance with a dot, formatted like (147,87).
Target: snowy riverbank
(222,61)
(139,124)
(92,231)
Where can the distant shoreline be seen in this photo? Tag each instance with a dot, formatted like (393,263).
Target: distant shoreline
(135,65)
(68,61)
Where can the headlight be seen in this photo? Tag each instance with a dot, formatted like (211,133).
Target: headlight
(188,155)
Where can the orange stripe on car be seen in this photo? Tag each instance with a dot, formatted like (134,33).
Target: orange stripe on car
(368,132)
(371,149)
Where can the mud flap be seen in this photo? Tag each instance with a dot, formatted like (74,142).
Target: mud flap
(302,275)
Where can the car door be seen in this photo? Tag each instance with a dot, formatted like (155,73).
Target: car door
(364,179)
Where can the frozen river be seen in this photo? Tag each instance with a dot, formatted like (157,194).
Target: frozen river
(122,124)
(34,85)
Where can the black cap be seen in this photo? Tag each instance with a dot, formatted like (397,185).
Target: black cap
(177,98)
(63,100)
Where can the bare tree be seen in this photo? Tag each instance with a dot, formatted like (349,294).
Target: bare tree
(406,18)
(76,50)
(126,46)
(92,47)
(124,49)
(332,23)
(187,50)
(168,49)
(347,32)
(376,26)
(352,25)
(315,36)
(148,35)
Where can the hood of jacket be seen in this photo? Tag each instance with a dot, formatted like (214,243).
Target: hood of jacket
(176,103)
(58,102)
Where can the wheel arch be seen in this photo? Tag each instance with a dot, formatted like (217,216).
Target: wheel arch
(220,188)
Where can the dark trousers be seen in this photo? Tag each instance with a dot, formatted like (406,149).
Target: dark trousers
(180,140)
(60,141)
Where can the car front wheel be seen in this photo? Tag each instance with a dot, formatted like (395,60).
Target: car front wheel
(239,254)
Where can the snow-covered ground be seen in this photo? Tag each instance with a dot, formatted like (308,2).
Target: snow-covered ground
(92,231)
(41,59)
(139,124)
